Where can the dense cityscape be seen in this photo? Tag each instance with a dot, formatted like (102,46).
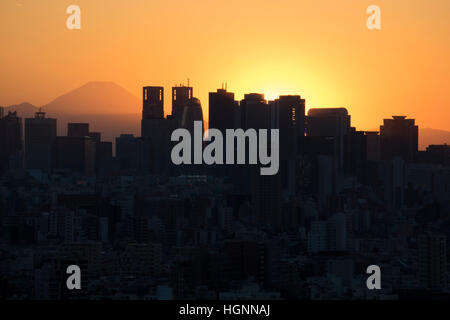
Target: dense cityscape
(143,228)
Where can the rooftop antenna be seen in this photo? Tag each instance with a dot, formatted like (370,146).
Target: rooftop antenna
(40,114)
(226,85)
(188,81)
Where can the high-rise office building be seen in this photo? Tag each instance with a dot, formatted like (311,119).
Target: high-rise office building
(254,112)
(96,136)
(152,110)
(153,103)
(127,151)
(103,154)
(394,182)
(432,264)
(76,154)
(355,153)
(134,153)
(222,109)
(287,113)
(439,153)
(373,145)
(222,116)
(40,137)
(180,98)
(330,122)
(266,199)
(156,130)
(10,139)
(78,130)
(192,111)
(399,138)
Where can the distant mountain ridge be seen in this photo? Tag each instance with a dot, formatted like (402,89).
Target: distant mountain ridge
(429,136)
(95,98)
(23,109)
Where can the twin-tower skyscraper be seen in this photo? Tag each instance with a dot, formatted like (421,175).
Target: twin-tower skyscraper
(158,129)
(185,108)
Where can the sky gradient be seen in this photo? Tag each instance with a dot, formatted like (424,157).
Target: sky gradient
(319,49)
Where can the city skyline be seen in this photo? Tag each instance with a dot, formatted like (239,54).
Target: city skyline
(328,56)
(221,154)
(167,110)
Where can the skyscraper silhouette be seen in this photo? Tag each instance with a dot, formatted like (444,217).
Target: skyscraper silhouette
(156,130)
(78,130)
(330,122)
(254,112)
(222,109)
(432,254)
(40,135)
(223,113)
(180,98)
(192,111)
(399,137)
(288,115)
(10,138)
(152,103)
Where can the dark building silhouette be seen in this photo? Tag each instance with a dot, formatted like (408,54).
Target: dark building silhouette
(76,154)
(103,152)
(394,182)
(399,138)
(355,153)
(134,153)
(287,113)
(254,112)
(317,166)
(40,137)
(439,153)
(180,98)
(157,130)
(245,259)
(266,199)
(78,129)
(127,151)
(373,146)
(153,103)
(95,136)
(10,139)
(432,261)
(329,122)
(222,109)
(192,111)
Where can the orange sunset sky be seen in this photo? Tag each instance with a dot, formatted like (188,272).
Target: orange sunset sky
(319,49)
